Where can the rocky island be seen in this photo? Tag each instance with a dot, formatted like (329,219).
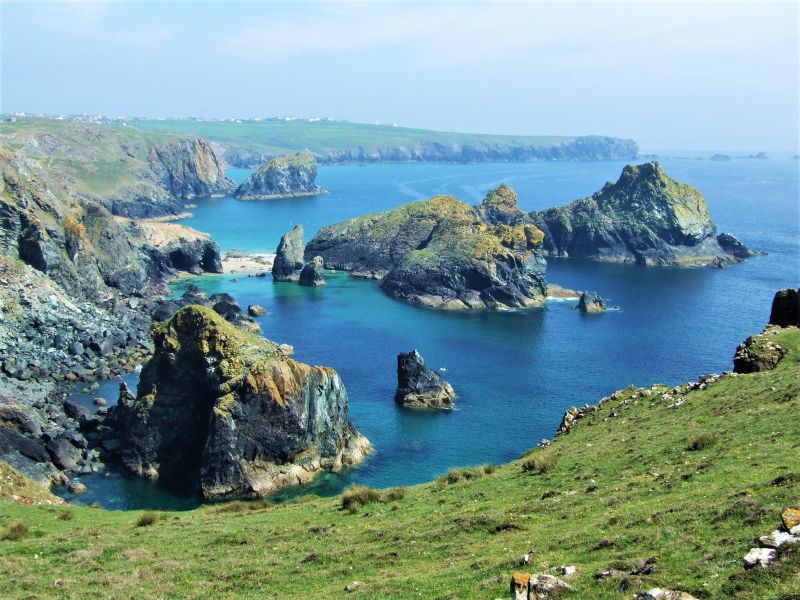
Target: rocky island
(420,387)
(646,217)
(282,177)
(439,253)
(228,413)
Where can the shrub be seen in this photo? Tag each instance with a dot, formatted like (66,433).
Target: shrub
(146,519)
(66,515)
(357,496)
(17,531)
(701,441)
(461,474)
(489,469)
(394,494)
(540,462)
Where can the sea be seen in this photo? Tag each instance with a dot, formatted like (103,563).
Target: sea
(514,372)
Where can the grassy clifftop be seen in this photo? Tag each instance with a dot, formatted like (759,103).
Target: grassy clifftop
(661,486)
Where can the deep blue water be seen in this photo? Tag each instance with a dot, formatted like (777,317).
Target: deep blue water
(514,372)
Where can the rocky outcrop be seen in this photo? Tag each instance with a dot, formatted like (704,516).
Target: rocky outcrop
(591,303)
(420,387)
(282,177)
(188,169)
(645,218)
(223,304)
(579,148)
(439,253)
(758,353)
(227,413)
(289,256)
(312,274)
(785,308)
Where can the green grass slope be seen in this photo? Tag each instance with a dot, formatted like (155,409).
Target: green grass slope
(661,492)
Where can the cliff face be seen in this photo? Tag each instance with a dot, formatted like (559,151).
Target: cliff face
(285,176)
(581,148)
(439,253)
(228,413)
(645,217)
(189,168)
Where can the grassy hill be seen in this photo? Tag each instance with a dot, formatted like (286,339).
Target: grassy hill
(659,491)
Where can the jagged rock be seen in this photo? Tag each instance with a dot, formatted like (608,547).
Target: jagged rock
(419,386)
(226,413)
(440,253)
(76,487)
(785,308)
(189,168)
(777,539)
(572,416)
(547,586)
(592,303)
(762,557)
(757,353)
(645,218)
(312,274)
(255,310)
(285,176)
(289,256)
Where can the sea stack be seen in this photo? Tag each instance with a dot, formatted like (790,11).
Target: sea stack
(312,274)
(289,256)
(282,177)
(420,387)
(224,412)
(591,303)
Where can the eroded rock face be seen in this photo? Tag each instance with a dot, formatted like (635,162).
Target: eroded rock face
(646,217)
(188,169)
(289,256)
(785,308)
(312,273)
(440,253)
(420,387)
(227,413)
(591,303)
(282,177)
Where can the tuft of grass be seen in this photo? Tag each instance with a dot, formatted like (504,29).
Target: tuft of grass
(489,469)
(146,519)
(15,532)
(701,441)
(237,506)
(393,494)
(461,474)
(66,515)
(540,462)
(357,496)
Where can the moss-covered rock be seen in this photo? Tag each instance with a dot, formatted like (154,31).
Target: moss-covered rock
(439,253)
(225,412)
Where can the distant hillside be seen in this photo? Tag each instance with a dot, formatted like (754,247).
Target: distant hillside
(250,143)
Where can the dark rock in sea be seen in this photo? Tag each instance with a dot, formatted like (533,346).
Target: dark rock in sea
(592,303)
(255,310)
(289,256)
(441,253)
(420,387)
(720,157)
(227,413)
(188,169)
(758,155)
(282,177)
(731,244)
(223,304)
(312,274)
(645,218)
(786,308)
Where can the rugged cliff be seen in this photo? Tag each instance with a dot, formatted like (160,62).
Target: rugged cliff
(189,168)
(226,412)
(646,217)
(282,177)
(439,253)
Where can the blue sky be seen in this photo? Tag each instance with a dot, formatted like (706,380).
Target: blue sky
(678,75)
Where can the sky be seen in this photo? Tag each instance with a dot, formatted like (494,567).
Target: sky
(679,75)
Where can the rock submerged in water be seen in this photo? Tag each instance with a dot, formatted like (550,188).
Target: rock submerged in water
(420,387)
(646,217)
(591,303)
(312,273)
(289,256)
(441,253)
(227,413)
(282,177)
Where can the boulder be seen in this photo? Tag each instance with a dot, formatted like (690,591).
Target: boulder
(591,303)
(419,386)
(223,412)
(762,557)
(660,594)
(785,308)
(791,517)
(255,310)
(289,256)
(758,353)
(312,274)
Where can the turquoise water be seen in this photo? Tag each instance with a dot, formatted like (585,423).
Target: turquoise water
(515,372)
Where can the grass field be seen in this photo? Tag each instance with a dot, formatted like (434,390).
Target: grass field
(661,495)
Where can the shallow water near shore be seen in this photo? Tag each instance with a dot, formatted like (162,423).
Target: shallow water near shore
(515,372)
